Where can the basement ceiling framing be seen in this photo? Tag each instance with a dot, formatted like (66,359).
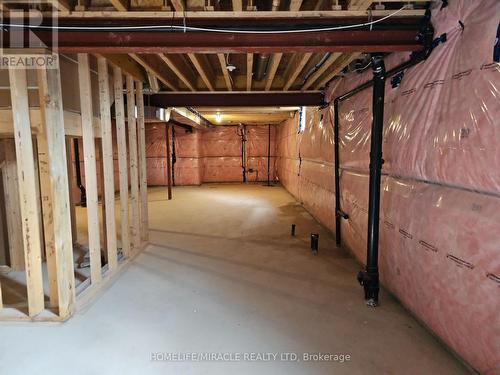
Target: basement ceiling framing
(225,62)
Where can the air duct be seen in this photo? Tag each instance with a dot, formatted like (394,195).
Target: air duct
(261,66)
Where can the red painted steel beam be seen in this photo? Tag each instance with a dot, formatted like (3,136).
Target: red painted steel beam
(213,42)
(228,99)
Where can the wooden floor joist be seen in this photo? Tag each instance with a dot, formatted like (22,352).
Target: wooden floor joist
(121,140)
(90,168)
(107,160)
(27,191)
(134,172)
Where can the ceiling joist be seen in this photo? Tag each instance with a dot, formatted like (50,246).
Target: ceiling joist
(322,69)
(237,5)
(182,72)
(120,5)
(294,68)
(249,71)
(272,69)
(337,67)
(61,5)
(178,5)
(204,69)
(225,72)
(150,63)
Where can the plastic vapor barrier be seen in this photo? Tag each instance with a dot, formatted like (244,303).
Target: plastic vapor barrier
(211,155)
(440,220)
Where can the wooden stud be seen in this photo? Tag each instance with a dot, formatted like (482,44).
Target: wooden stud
(51,96)
(249,71)
(134,173)
(89,156)
(12,205)
(143,177)
(333,57)
(121,140)
(27,191)
(294,68)
(45,190)
(271,72)
(107,161)
(100,193)
(225,72)
(4,241)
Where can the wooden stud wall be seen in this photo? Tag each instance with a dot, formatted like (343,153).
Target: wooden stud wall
(48,163)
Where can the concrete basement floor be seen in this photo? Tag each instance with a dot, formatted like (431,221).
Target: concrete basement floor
(223,274)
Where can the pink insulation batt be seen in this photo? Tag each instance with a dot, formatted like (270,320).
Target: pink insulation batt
(440,215)
(211,155)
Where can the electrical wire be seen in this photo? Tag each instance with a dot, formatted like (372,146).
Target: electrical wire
(203,29)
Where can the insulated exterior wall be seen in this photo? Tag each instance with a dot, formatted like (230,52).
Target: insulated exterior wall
(212,155)
(441,187)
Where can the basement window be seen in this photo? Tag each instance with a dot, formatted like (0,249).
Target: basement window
(302,119)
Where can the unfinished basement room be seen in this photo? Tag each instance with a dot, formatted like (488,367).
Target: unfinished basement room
(249,187)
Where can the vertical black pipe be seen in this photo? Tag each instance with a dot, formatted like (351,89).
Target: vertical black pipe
(83,193)
(370,278)
(169,167)
(174,156)
(268,154)
(336,156)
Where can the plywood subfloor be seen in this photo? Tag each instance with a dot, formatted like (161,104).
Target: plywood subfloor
(223,274)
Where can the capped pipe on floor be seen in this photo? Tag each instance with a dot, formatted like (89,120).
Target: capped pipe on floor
(314,243)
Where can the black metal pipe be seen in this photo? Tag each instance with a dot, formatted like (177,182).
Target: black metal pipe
(339,214)
(83,193)
(336,155)
(268,154)
(370,277)
(174,156)
(169,167)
